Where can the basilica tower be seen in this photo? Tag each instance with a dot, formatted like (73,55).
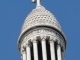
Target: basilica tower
(41,36)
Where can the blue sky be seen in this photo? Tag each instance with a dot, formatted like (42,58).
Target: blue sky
(14,12)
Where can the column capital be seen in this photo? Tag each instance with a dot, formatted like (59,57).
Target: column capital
(51,40)
(43,38)
(28,44)
(58,41)
(34,40)
(59,44)
(23,50)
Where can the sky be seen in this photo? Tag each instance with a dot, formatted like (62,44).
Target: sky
(14,12)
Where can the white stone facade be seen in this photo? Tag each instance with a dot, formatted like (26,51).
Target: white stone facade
(41,26)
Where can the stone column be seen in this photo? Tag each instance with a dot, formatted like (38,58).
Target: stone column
(44,52)
(63,56)
(28,52)
(35,49)
(23,54)
(59,52)
(52,49)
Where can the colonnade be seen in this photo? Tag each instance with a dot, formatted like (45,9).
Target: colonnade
(26,54)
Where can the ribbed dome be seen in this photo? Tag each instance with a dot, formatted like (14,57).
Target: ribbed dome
(40,17)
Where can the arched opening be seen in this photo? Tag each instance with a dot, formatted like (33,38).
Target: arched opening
(32,54)
(39,50)
(48,50)
(55,46)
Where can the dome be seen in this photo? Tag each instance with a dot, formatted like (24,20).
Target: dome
(40,26)
(40,17)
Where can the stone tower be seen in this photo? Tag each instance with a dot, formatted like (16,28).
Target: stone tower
(41,37)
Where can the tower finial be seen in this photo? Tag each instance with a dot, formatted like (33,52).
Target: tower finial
(38,2)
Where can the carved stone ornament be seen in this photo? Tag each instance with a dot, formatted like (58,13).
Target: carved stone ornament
(40,17)
(40,23)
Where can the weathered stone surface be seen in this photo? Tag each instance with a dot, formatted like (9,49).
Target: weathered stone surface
(40,17)
(39,24)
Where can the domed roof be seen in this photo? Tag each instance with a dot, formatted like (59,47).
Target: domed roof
(40,17)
